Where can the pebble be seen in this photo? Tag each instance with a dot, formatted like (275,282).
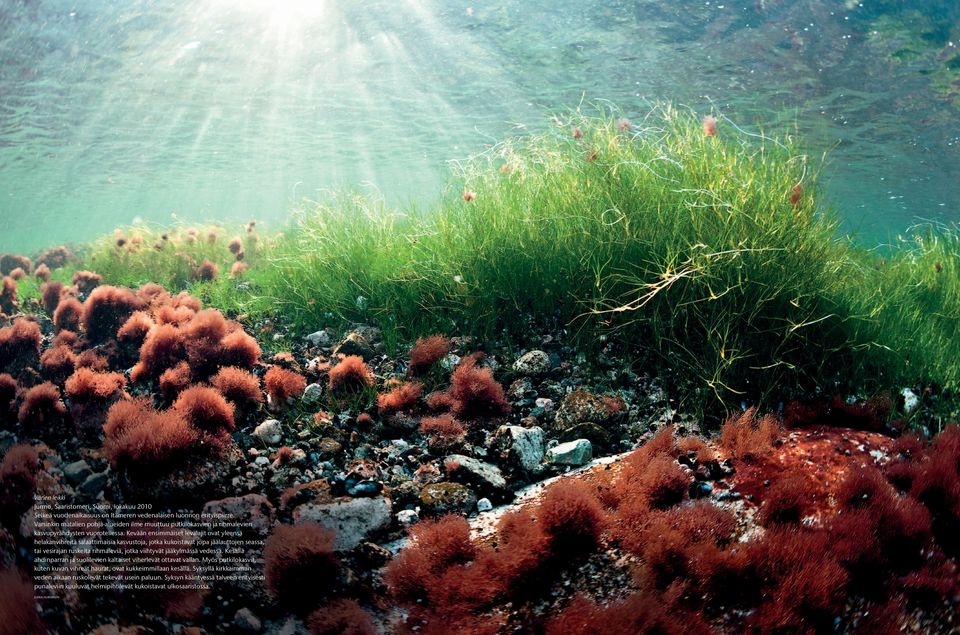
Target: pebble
(247,622)
(577,452)
(484,505)
(408,517)
(270,432)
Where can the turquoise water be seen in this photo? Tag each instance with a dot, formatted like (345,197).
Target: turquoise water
(112,111)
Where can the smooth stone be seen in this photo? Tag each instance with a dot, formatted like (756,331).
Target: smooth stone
(270,432)
(353,519)
(577,452)
(77,472)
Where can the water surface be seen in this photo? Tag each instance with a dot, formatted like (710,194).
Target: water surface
(114,110)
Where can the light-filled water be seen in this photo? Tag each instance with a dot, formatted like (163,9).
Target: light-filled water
(116,110)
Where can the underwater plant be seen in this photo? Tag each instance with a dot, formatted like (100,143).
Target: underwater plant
(18,481)
(341,617)
(350,375)
(239,386)
(475,393)
(283,385)
(50,293)
(9,262)
(42,412)
(403,397)
(86,281)
(42,273)
(300,565)
(19,346)
(444,431)
(8,295)
(68,314)
(58,363)
(426,352)
(105,311)
(145,441)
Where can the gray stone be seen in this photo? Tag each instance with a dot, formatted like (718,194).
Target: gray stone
(254,509)
(270,432)
(521,446)
(77,472)
(484,505)
(581,406)
(94,483)
(319,338)
(484,477)
(246,621)
(450,361)
(355,344)
(576,452)
(533,363)
(312,393)
(261,461)
(439,499)
(353,519)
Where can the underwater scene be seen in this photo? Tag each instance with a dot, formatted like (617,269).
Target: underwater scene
(562,318)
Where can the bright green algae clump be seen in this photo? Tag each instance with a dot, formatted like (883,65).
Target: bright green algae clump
(710,254)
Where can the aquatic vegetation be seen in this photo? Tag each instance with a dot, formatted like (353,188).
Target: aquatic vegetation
(571,517)
(300,565)
(42,272)
(90,395)
(9,262)
(86,281)
(141,440)
(239,386)
(444,431)
(710,126)
(746,436)
(350,375)
(18,605)
(403,397)
(8,393)
(8,296)
(475,393)
(42,413)
(54,258)
(685,241)
(283,385)
(175,380)
(206,272)
(58,363)
(68,314)
(206,410)
(426,352)
(50,293)
(436,546)
(19,346)
(105,311)
(18,480)
(342,617)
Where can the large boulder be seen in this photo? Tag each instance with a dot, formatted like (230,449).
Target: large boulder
(352,519)
(581,406)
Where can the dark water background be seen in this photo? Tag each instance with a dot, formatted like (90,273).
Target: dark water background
(112,111)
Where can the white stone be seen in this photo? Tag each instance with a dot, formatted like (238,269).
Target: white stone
(576,452)
(270,432)
(910,401)
(533,363)
(484,505)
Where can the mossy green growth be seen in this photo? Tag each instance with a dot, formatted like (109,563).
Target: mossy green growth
(709,254)
(712,257)
(173,257)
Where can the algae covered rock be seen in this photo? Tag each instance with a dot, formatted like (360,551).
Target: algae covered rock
(533,363)
(439,499)
(352,519)
(581,406)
